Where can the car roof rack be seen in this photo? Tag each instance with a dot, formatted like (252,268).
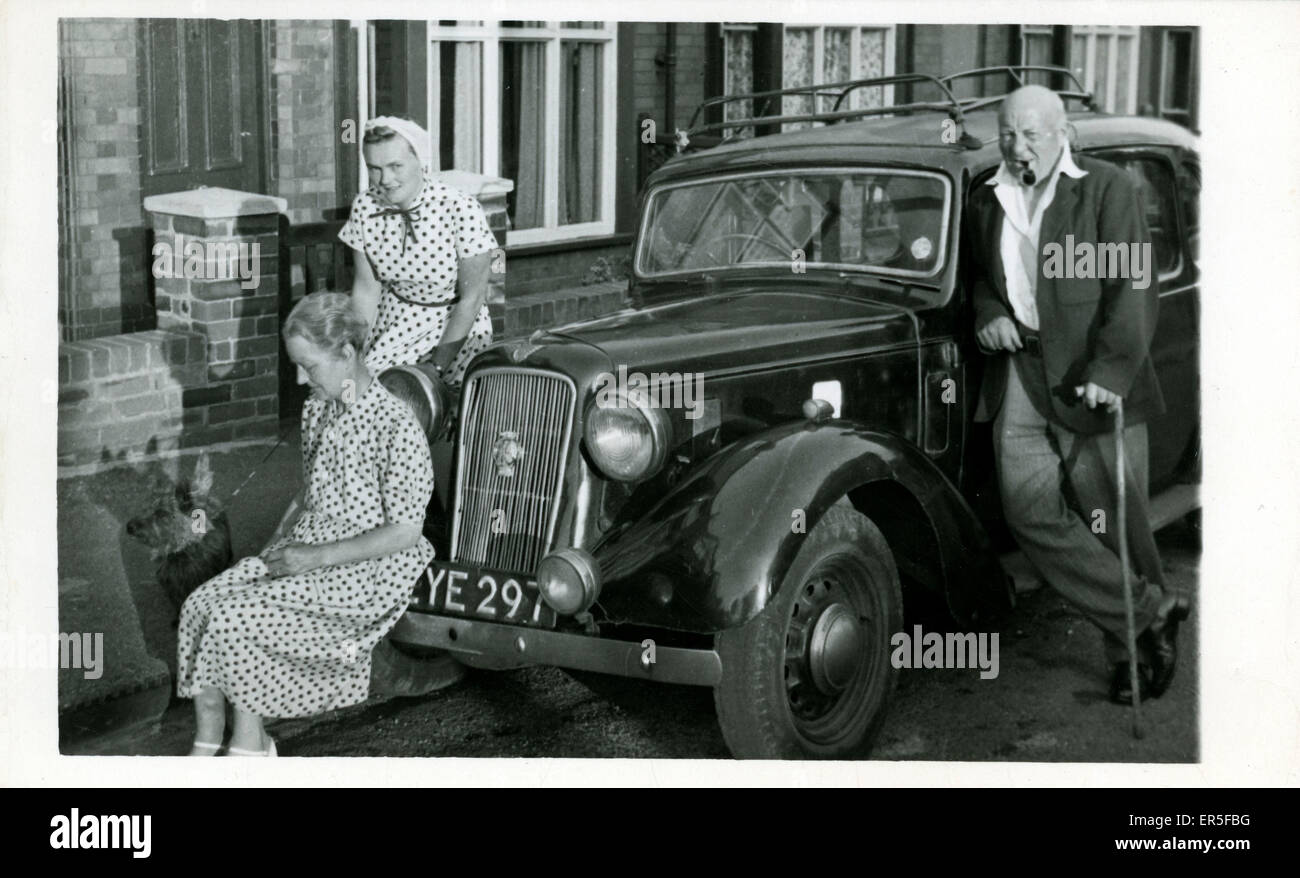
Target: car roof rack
(1016,71)
(837,90)
(949,103)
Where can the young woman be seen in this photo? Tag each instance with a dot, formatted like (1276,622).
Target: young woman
(423,253)
(289,632)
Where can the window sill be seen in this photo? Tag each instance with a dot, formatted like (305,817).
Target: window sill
(588,243)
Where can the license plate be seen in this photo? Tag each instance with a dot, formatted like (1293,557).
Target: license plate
(479,593)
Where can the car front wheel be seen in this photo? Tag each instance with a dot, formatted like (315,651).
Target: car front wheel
(810,676)
(398,669)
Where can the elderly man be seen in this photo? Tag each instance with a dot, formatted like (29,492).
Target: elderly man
(1063,351)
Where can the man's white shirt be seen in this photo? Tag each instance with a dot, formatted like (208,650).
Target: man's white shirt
(1019,239)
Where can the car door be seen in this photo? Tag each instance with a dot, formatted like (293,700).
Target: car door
(1168,186)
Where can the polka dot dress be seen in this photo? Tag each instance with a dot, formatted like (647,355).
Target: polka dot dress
(301,645)
(417,267)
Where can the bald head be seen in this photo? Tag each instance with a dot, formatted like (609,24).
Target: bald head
(1036,99)
(1031,132)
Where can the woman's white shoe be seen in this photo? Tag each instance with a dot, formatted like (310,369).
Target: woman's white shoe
(240,751)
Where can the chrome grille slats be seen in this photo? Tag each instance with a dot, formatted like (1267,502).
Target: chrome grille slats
(538,407)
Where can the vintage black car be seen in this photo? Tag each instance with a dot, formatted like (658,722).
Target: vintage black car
(736,482)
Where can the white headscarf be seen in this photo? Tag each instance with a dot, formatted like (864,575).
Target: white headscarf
(408,131)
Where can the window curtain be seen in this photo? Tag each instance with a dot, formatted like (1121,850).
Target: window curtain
(871,62)
(467,102)
(523,105)
(739,77)
(580,146)
(797,70)
(837,61)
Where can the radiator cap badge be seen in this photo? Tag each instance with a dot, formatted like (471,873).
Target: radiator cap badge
(523,350)
(506,452)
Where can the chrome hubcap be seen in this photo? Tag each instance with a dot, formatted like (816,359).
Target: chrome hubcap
(832,667)
(826,641)
(834,648)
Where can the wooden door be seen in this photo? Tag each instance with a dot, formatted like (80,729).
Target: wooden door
(202,105)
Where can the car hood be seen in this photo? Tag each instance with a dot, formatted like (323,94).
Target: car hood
(719,331)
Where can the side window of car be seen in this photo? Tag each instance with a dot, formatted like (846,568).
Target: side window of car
(1159,199)
(1189,189)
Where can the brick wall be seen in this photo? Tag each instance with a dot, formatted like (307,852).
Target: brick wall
(105,242)
(124,395)
(648,77)
(116,397)
(238,397)
(523,314)
(1001,45)
(303,139)
(944,48)
(209,373)
(531,274)
(690,70)
(107,287)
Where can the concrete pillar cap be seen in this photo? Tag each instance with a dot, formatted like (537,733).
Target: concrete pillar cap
(215,202)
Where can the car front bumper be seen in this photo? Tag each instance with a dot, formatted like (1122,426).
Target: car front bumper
(535,646)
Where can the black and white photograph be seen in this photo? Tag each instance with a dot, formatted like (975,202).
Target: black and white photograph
(832,388)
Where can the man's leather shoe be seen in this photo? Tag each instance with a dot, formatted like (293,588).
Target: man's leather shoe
(1160,644)
(1121,686)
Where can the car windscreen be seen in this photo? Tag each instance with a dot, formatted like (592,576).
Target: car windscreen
(883,221)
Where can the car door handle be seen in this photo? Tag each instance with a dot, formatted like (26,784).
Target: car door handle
(941,398)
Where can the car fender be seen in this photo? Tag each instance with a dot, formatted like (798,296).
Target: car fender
(710,554)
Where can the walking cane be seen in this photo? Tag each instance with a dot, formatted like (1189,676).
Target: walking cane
(1123,561)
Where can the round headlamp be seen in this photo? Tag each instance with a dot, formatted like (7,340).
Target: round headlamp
(569,581)
(421,388)
(627,441)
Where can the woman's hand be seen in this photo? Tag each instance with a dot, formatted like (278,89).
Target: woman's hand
(387,539)
(293,559)
(471,289)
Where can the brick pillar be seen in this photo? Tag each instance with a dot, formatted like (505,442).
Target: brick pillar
(215,262)
(491,193)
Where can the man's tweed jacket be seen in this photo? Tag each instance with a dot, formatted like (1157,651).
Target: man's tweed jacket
(1090,329)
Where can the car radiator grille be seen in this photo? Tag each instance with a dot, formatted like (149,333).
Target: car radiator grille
(505,520)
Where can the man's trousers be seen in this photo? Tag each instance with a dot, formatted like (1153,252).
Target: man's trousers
(1058,495)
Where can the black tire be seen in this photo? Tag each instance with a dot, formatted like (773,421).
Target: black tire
(775,701)
(403,671)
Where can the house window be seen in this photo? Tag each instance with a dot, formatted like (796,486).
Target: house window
(738,72)
(1176,74)
(1105,58)
(532,101)
(835,53)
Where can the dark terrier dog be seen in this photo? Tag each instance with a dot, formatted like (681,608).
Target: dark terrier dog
(187,533)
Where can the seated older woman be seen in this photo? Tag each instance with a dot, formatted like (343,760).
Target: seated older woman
(290,632)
